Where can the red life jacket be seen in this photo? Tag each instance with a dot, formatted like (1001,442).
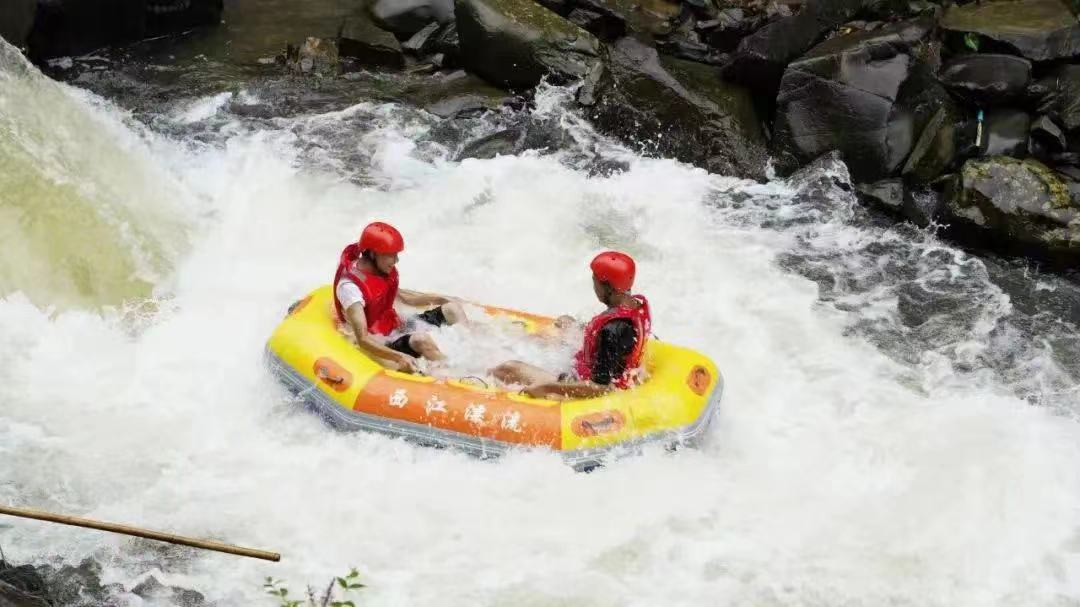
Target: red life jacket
(642,321)
(379,292)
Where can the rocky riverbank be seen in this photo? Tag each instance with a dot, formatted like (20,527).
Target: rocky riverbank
(960,114)
(82,586)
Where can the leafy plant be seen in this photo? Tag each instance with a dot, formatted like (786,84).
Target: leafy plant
(345,585)
(971,40)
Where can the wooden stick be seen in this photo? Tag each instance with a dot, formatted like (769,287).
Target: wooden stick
(135,531)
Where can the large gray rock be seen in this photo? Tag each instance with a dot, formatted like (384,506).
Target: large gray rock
(406,17)
(841,96)
(987,79)
(515,43)
(16,19)
(1019,204)
(1040,30)
(675,108)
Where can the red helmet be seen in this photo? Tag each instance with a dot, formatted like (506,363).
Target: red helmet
(379,237)
(614,268)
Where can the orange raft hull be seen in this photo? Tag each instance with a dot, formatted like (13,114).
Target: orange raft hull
(334,378)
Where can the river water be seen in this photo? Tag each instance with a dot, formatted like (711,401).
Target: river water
(899,426)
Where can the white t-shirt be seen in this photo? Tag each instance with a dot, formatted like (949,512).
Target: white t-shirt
(348,293)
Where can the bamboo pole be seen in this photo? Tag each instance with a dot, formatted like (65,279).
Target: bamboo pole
(137,532)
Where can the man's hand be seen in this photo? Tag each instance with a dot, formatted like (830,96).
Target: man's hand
(565,321)
(539,390)
(543,391)
(407,364)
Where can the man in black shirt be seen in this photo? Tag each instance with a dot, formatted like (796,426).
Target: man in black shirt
(613,340)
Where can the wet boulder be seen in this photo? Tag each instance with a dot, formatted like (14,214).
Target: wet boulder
(1019,205)
(987,79)
(515,43)
(16,19)
(674,108)
(1047,139)
(366,44)
(887,194)
(1006,133)
(1040,30)
(842,96)
(760,58)
(406,17)
(458,93)
(532,134)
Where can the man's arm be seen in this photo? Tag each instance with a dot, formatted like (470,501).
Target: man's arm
(367,343)
(418,299)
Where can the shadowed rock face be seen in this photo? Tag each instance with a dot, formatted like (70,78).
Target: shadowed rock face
(1040,30)
(515,43)
(16,19)
(75,27)
(680,109)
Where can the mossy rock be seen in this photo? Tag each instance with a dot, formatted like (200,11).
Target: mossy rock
(515,43)
(1022,202)
(1040,30)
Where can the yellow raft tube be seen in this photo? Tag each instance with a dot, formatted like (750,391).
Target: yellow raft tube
(674,405)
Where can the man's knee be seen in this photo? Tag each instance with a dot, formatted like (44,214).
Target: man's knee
(507,371)
(424,344)
(453,312)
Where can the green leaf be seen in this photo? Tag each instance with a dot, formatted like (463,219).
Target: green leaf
(971,40)
(356,585)
(341,582)
(354,573)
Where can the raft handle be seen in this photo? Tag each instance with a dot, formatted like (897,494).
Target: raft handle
(330,379)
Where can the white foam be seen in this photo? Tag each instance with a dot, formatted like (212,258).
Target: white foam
(831,478)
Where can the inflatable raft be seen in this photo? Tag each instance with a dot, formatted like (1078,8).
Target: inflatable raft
(674,405)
